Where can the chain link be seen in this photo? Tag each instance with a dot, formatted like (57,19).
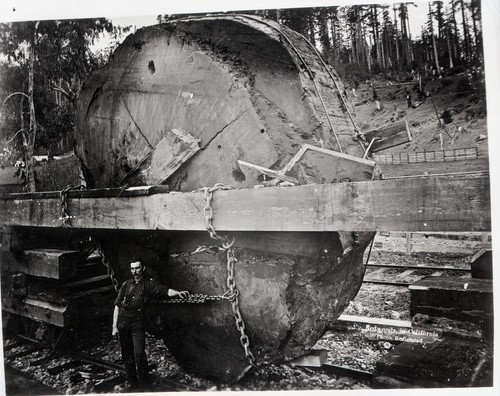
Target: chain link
(227,244)
(65,217)
(198,298)
(107,264)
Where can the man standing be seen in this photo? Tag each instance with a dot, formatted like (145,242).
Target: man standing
(128,320)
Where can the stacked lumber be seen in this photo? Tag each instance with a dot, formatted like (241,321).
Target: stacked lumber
(51,285)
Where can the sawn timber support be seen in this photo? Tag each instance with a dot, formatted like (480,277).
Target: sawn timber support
(454,202)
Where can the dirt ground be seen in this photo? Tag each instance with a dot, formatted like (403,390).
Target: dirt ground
(468,113)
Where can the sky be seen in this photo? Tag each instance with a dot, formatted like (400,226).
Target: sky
(417,14)
(144,12)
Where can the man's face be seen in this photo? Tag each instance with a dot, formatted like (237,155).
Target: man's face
(136,268)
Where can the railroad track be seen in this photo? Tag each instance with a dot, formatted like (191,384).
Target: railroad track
(105,374)
(380,275)
(108,374)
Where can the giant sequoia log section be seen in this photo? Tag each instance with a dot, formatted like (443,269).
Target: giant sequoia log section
(245,89)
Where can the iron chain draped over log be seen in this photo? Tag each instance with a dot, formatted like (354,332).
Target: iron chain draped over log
(65,217)
(227,244)
(107,264)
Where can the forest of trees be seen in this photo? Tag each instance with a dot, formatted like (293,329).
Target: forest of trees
(43,64)
(363,40)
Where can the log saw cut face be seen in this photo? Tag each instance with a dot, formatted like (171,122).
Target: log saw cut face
(237,100)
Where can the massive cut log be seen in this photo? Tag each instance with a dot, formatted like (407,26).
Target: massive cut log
(249,90)
(240,84)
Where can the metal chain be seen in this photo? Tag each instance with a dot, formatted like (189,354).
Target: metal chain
(107,264)
(227,244)
(198,298)
(199,249)
(65,217)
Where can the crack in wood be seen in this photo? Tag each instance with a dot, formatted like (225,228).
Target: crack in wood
(135,123)
(223,129)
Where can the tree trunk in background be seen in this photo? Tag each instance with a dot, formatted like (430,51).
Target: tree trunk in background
(324,39)
(30,163)
(433,41)
(466,32)
(456,46)
(476,15)
(396,35)
(436,58)
(450,50)
(333,28)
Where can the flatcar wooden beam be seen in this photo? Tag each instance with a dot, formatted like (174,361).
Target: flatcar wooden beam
(47,263)
(457,202)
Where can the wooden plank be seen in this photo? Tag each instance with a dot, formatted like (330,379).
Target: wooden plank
(459,202)
(269,172)
(420,267)
(408,243)
(174,149)
(391,135)
(315,358)
(47,263)
(65,366)
(405,273)
(38,310)
(482,264)
(95,193)
(456,298)
(366,320)
(318,165)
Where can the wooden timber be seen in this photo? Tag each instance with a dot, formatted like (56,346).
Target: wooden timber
(76,309)
(444,203)
(389,136)
(47,263)
(482,264)
(174,149)
(456,298)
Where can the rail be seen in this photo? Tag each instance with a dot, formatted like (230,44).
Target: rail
(76,359)
(428,156)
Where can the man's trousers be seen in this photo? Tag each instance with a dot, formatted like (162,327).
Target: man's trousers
(133,345)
